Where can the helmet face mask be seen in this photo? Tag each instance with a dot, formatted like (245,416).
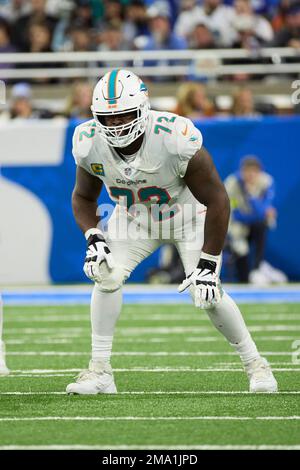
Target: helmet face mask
(120,93)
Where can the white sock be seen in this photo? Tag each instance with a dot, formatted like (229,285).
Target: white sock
(228,319)
(105,311)
(101,347)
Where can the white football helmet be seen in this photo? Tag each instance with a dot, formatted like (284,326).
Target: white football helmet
(120,92)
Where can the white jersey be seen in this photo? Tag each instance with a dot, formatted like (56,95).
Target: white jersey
(155,174)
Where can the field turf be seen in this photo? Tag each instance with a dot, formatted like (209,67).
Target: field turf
(180,384)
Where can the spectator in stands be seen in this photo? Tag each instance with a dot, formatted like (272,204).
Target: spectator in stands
(40,38)
(202,37)
(113,15)
(80,39)
(246,37)
(21,105)
(22,26)
(39,35)
(161,36)
(217,17)
(79,105)
(265,7)
(61,8)
(11,10)
(112,39)
(279,17)
(77,19)
(251,193)
(136,21)
(192,101)
(289,35)
(82,14)
(5,41)
(187,19)
(243,103)
(252,30)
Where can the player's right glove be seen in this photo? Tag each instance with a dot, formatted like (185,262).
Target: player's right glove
(96,254)
(204,282)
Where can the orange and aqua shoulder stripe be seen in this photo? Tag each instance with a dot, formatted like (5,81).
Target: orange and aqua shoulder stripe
(112,86)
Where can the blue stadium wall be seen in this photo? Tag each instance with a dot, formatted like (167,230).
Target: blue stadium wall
(275,140)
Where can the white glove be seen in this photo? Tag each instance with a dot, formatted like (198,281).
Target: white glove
(204,282)
(97,253)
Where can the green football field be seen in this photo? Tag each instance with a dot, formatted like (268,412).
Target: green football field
(180,384)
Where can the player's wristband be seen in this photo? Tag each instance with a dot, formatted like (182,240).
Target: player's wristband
(94,231)
(211,262)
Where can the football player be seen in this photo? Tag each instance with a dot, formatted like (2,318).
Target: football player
(3,369)
(157,164)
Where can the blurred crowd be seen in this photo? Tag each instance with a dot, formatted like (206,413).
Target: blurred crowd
(110,25)
(192,101)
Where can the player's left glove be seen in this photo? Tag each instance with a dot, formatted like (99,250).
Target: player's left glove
(204,282)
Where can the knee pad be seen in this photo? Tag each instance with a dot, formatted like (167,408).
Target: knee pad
(112,279)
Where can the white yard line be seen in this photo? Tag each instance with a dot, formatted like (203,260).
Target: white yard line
(213,339)
(196,316)
(144,353)
(155,317)
(132,331)
(273,364)
(45,318)
(44,341)
(54,331)
(189,339)
(183,392)
(82,339)
(218,366)
(66,372)
(199,329)
(151,447)
(151,418)
(42,376)
(272,328)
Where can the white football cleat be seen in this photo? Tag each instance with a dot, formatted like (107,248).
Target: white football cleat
(3,368)
(258,278)
(273,274)
(260,376)
(98,378)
